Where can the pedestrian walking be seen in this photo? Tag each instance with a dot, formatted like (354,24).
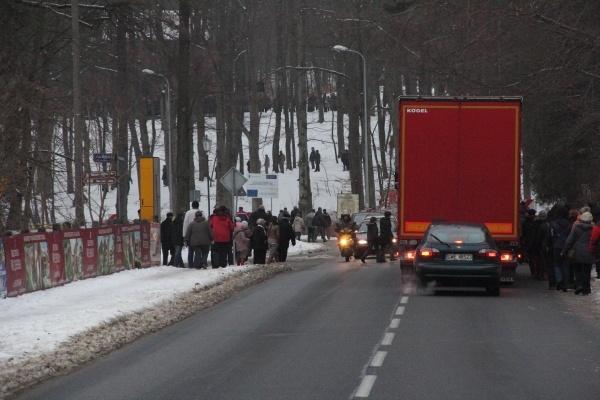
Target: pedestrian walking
(281,161)
(286,235)
(242,242)
(386,235)
(318,162)
(222,229)
(345,159)
(259,242)
(273,240)
(267,163)
(177,240)
(582,258)
(312,237)
(542,246)
(256,215)
(298,225)
(320,223)
(327,223)
(560,227)
(198,238)
(372,238)
(190,215)
(165,239)
(312,157)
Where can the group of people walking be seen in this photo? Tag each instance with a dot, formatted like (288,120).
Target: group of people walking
(561,246)
(261,233)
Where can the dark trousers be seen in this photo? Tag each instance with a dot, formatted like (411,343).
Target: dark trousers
(371,247)
(165,254)
(219,254)
(298,234)
(561,269)
(201,256)
(312,233)
(583,274)
(260,256)
(282,252)
(317,167)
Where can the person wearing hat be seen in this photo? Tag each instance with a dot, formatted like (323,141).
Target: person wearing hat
(583,258)
(385,236)
(372,238)
(259,242)
(165,239)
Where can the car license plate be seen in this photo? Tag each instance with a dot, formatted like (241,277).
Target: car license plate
(459,257)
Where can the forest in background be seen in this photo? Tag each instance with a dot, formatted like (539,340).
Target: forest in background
(71,84)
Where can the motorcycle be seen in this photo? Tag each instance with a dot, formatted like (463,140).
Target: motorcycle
(346,243)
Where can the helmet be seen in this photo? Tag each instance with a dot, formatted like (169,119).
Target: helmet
(345,213)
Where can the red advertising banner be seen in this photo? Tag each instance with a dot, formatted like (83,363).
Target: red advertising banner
(106,250)
(15,265)
(55,253)
(37,261)
(150,244)
(119,255)
(72,245)
(90,260)
(132,246)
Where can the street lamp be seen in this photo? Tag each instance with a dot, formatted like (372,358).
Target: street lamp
(206,144)
(169,151)
(366,136)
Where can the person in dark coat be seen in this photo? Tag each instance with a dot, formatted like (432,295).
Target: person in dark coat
(293,213)
(542,250)
(165,239)
(372,238)
(579,239)
(320,223)
(177,240)
(312,157)
(527,235)
(345,159)
(259,242)
(199,237)
(256,215)
(267,164)
(310,218)
(327,223)
(386,235)
(165,177)
(318,162)
(281,161)
(560,227)
(286,235)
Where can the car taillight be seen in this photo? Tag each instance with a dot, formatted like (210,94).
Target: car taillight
(506,257)
(409,255)
(428,252)
(490,253)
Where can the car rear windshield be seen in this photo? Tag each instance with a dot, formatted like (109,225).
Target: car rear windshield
(363,227)
(453,234)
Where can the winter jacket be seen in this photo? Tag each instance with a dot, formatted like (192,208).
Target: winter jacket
(372,232)
(259,238)
(385,229)
(199,233)
(594,239)
(343,224)
(222,228)
(286,234)
(327,219)
(559,229)
(310,218)
(177,231)
(298,224)
(319,219)
(242,242)
(256,215)
(580,238)
(189,217)
(165,232)
(542,240)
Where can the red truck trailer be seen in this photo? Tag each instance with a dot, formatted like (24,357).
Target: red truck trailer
(459,160)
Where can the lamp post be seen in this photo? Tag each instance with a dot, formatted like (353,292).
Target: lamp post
(169,151)
(206,144)
(340,48)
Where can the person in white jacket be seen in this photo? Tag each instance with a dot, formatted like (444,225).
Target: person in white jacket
(188,219)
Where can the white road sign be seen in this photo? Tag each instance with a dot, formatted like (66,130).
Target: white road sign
(263,186)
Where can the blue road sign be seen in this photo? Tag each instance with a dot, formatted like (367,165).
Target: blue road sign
(104,157)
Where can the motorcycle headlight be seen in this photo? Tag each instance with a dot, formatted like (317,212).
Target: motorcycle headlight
(343,241)
(394,240)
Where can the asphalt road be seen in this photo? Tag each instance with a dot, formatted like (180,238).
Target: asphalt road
(336,330)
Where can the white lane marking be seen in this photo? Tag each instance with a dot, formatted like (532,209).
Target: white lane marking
(378,359)
(395,323)
(388,339)
(400,310)
(404,300)
(365,387)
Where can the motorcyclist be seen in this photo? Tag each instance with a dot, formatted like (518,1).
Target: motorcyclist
(345,222)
